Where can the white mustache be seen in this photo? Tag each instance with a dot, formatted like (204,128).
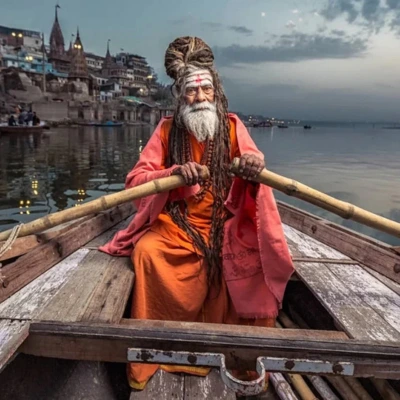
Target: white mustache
(202,106)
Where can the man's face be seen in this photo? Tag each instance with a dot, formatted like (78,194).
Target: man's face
(199,88)
(199,94)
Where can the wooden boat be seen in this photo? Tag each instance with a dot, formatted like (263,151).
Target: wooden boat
(110,124)
(4,128)
(64,307)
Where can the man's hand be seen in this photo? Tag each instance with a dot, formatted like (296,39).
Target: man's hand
(191,172)
(250,166)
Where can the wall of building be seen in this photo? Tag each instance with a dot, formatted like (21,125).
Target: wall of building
(51,111)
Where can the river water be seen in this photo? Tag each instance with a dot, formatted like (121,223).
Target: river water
(62,168)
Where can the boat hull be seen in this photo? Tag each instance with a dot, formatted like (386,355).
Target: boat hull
(21,129)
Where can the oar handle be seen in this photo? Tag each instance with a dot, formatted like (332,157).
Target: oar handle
(103,203)
(306,193)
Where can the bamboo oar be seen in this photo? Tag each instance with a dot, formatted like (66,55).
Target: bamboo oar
(102,204)
(303,192)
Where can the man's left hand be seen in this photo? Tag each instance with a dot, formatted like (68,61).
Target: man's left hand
(250,166)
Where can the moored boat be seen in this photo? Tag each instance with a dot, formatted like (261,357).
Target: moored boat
(111,124)
(5,128)
(61,299)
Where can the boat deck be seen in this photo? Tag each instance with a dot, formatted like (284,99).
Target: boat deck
(90,286)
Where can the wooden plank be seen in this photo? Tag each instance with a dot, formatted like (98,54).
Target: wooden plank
(353,315)
(349,287)
(108,234)
(386,281)
(302,245)
(30,300)
(241,345)
(12,334)
(109,299)
(162,386)
(370,252)
(208,387)
(384,301)
(23,245)
(31,265)
(70,303)
(94,284)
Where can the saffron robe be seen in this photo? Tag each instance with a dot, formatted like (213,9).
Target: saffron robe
(170,279)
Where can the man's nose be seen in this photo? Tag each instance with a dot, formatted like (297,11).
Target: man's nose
(200,97)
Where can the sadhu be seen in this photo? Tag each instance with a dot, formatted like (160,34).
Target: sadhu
(213,251)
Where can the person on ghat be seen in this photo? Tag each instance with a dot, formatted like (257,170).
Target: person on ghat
(212,251)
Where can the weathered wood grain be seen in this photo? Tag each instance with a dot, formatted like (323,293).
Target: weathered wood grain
(386,281)
(208,387)
(23,245)
(351,295)
(162,386)
(241,345)
(110,296)
(69,304)
(108,234)
(30,300)
(374,293)
(97,290)
(39,260)
(12,334)
(302,245)
(370,252)
(352,314)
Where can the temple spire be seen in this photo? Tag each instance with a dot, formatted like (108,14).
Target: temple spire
(78,67)
(108,48)
(57,7)
(57,48)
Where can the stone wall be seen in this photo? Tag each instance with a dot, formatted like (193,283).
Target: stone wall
(51,111)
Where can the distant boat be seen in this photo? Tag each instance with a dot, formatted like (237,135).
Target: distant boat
(307,126)
(5,128)
(283,126)
(110,124)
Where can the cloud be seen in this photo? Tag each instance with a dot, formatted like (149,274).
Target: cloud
(293,47)
(370,9)
(241,29)
(370,14)
(336,8)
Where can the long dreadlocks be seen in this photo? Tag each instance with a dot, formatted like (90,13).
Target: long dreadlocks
(181,54)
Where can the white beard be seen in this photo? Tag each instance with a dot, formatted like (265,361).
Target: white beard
(201,120)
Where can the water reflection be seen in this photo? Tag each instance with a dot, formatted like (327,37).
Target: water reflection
(64,168)
(43,173)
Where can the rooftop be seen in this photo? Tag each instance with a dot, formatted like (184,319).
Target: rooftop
(4,30)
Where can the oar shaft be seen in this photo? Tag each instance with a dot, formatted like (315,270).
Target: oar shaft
(98,205)
(306,193)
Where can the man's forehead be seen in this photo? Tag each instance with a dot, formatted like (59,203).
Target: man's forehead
(199,78)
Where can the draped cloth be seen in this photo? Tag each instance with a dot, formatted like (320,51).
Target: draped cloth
(170,274)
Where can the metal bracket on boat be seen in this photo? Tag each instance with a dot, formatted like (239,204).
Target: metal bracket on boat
(263,364)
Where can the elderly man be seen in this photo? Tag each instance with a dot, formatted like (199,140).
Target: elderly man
(212,251)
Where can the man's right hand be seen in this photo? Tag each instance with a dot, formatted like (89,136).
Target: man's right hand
(191,173)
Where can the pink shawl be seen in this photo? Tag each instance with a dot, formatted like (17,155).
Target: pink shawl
(256,260)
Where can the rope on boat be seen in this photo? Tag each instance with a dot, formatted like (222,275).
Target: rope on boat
(8,245)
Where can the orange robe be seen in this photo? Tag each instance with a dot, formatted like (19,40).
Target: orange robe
(170,280)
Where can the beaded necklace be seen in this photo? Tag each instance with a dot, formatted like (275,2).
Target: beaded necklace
(205,160)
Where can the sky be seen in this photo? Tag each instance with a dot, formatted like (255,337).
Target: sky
(335,60)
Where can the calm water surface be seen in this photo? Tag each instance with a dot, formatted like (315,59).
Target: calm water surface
(63,168)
